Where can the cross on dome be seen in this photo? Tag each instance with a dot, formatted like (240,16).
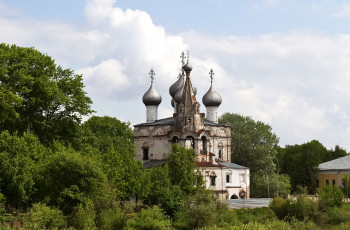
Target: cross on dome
(151,74)
(182,56)
(211,73)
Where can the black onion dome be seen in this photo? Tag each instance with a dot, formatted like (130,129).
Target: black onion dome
(187,67)
(151,97)
(178,94)
(176,86)
(211,98)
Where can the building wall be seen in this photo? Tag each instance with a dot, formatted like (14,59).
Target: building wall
(330,175)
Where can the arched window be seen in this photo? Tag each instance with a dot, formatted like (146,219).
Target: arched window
(212,180)
(327,182)
(343,183)
(333,182)
(227,178)
(189,142)
(204,144)
(317,183)
(145,156)
(234,196)
(175,140)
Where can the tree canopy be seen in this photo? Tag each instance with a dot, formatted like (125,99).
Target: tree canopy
(37,95)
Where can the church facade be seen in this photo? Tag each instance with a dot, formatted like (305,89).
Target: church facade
(210,140)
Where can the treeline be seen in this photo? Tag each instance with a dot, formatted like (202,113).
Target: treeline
(284,169)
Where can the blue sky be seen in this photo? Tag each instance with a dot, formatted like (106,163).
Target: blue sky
(286,63)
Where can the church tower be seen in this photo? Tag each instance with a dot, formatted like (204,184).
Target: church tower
(151,99)
(187,117)
(212,100)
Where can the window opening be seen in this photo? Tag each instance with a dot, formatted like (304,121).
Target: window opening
(145,154)
(327,182)
(227,178)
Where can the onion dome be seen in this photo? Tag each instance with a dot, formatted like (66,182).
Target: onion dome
(176,86)
(187,67)
(152,97)
(172,102)
(211,98)
(178,94)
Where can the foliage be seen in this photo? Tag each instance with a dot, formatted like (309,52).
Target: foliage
(279,207)
(84,216)
(197,210)
(181,169)
(329,196)
(2,208)
(252,142)
(39,96)
(302,208)
(301,162)
(151,218)
(20,159)
(112,218)
(68,178)
(41,216)
(110,141)
(263,185)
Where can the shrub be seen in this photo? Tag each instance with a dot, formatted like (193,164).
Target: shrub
(150,219)
(329,196)
(198,210)
(337,215)
(303,209)
(41,216)
(112,219)
(84,216)
(279,207)
(2,208)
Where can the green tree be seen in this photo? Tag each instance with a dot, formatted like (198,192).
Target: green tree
(20,159)
(39,96)
(110,141)
(181,166)
(67,179)
(301,162)
(252,142)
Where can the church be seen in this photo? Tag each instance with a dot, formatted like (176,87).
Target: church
(189,127)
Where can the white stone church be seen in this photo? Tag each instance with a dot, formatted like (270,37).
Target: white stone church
(210,140)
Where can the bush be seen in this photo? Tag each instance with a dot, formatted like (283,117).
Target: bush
(2,208)
(150,219)
(112,219)
(279,207)
(41,216)
(84,216)
(329,196)
(303,209)
(197,211)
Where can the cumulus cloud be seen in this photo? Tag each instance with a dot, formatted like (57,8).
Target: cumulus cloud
(295,81)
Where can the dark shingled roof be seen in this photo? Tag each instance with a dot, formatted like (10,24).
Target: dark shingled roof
(170,121)
(232,165)
(153,163)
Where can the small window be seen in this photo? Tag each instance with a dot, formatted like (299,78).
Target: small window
(220,153)
(343,183)
(327,182)
(317,183)
(212,181)
(145,154)
(227,178)
(333,182)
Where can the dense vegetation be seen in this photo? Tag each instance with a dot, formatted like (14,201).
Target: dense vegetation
(59,173)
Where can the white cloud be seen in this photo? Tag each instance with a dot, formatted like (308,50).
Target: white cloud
(296,81)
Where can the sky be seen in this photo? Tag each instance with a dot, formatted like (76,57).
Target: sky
(286,63)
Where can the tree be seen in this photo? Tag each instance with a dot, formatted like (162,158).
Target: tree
(39,96)
(301,162)
(110,141)
(20,159)
(252,142)
(181,166)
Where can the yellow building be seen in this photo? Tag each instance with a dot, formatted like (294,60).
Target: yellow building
(333,172)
